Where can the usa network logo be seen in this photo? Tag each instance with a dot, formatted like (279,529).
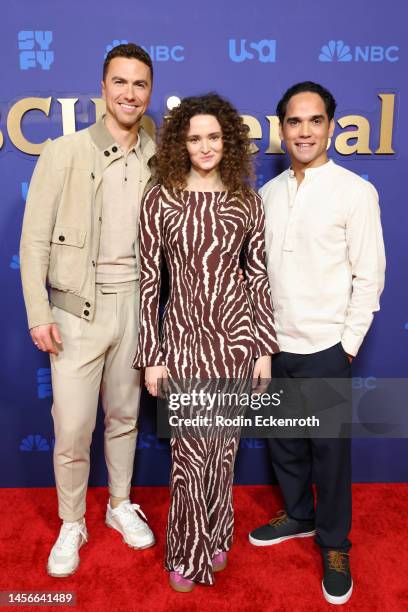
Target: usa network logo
(240,50)
(339,51)
(34,46)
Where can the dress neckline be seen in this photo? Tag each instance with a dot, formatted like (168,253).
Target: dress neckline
(200,191)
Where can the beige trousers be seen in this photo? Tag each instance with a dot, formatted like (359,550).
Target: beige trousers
(96,358)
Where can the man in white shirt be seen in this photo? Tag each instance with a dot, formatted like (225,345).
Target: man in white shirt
(326,263)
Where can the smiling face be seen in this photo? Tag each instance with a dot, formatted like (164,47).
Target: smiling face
(126,90)
(204,143)
(306,130)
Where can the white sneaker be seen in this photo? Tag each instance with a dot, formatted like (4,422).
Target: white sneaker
(64,555)
(136,532)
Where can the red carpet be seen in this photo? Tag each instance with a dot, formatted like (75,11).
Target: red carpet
(285,577)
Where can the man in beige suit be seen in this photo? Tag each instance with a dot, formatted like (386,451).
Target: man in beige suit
(80,235)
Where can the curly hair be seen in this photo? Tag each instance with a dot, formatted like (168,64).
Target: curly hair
(173,160)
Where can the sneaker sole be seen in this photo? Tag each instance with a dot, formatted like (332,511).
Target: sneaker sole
(127,543)
(220,567)
(181,589)
(66,574)
(337,601)
(256,542)
(62,575)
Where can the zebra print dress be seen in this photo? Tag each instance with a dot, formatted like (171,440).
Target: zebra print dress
(213,328)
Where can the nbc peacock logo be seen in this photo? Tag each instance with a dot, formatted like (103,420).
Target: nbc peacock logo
(34,442)
(335,51)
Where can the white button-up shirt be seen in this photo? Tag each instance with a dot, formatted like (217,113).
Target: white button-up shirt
(325,257)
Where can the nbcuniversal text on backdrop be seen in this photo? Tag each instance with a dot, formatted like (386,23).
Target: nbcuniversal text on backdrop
(346,142)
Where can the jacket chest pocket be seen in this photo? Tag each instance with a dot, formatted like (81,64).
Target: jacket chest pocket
(67,258)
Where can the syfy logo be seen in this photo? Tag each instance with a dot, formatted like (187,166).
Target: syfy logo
(34,49)
(265,50)
(338,51)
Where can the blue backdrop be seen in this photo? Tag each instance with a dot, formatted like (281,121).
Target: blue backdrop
(249,52)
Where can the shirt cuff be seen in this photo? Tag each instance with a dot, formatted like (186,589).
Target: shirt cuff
(140,361)
(351,343)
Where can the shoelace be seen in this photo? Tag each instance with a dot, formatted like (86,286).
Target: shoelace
(131,516)
(338,561)
(281,518)
(68,535)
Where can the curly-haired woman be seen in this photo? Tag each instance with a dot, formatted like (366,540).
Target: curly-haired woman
(201,216)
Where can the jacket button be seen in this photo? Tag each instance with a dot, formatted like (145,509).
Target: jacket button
(86,312)
(94,264)
(87,304)
(106,153)
(61,238)
(114,149)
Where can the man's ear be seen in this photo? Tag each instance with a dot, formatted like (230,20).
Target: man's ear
(103,89)
(331,128)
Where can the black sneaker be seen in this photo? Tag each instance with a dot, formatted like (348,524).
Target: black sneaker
(337,583)
(279,529)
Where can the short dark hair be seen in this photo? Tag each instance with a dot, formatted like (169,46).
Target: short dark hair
(131,51)
(304,87)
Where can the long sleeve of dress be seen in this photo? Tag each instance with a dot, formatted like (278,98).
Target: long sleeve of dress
(149,352)
(258,283)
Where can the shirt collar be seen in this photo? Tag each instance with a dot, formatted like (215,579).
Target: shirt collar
(312,172)
(104,141)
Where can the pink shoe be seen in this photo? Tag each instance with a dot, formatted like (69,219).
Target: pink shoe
(179,583)
(219,561)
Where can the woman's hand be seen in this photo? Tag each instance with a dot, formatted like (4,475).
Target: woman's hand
(262,373)
(152,375)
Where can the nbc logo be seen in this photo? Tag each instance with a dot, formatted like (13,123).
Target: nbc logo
(149,441)
(24,190)
(339,51)
(44,387)
(113,44)
(15,262)
(34,442)
(335,51)
(158,53)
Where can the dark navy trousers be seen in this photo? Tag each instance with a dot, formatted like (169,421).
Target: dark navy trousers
(327,461)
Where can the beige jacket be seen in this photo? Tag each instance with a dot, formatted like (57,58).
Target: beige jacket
(62,223)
